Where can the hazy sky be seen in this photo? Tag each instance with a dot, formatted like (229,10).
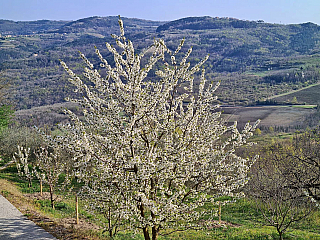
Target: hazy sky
(274,11)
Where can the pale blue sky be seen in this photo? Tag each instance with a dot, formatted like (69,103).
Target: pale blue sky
(275,11)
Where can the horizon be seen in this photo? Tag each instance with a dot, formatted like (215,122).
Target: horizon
(272,11)
(151,19)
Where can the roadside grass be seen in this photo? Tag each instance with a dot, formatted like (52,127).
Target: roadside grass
(245,220)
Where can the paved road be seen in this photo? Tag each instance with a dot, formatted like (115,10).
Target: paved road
(15,226)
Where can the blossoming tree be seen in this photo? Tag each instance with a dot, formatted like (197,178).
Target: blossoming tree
(48,168)
(148,155)
(21,160)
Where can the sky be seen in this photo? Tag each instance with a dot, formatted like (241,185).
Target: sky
(273,11)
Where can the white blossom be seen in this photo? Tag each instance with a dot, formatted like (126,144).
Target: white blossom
(149,154)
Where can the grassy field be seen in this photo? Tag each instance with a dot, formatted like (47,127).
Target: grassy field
(308,95)
(240,220)
(292,92)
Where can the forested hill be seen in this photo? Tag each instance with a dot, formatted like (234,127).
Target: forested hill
(253,59)
(293,37)
(108,25)
(206,22)
(203,23)
(8,27)
(99,25)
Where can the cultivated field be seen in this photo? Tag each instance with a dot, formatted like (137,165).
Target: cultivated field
(269,115)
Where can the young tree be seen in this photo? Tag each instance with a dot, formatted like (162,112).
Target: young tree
(21,159)
(303,170)
(279,204)
(150,155)
(48,168)
(257,131)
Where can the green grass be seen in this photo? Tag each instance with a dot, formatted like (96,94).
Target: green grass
(305,106)
(294,91)
(271,137)
(258,73)
(309,95)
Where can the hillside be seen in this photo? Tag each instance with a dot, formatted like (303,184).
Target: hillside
(253,59)
(107,25)
(8,27)
(207,22)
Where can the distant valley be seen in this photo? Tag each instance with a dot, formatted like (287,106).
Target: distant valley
(253,60)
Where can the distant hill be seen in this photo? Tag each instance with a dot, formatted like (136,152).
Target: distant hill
(255,34)
(8,27)
(99,25)
(205,23)
(107,25)
(253,59)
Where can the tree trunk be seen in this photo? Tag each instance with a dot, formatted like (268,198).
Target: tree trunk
(144,229)
(110,223)
(51,197)
(154,233)
(29,183)
(219,213)
(146,233)
(280,234)
(77,209)
(40,187)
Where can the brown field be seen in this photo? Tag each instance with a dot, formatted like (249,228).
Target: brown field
(50,115)
(269,115)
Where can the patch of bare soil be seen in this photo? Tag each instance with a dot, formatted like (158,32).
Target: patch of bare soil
(45,195)
(215,224)
(63,228)
(83,225)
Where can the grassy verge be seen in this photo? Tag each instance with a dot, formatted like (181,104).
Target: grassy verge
(240,220)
